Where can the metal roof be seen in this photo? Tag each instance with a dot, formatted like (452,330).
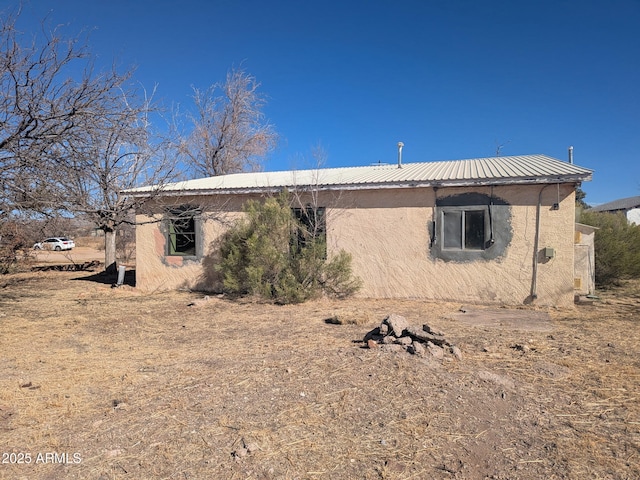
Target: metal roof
(524,169)
(616,205)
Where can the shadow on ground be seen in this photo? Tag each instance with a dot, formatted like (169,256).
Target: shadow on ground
(110,278)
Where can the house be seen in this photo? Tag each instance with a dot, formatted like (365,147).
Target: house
(488,230)
(630,206)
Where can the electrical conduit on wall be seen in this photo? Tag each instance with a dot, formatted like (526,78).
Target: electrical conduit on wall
(536,243)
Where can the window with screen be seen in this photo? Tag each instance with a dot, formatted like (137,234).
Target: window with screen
(181,233)
(463,229)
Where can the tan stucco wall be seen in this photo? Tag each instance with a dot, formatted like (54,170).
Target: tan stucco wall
(387,232)
(157,271)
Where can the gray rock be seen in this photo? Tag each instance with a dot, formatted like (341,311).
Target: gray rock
(384,329)
(252,447)
(435,351)
(430,330)
(406,340)
(417,348)
(388,339)
(397,324)
(239,453)
(393,347)
(524,348)
(425,336)
(455,351)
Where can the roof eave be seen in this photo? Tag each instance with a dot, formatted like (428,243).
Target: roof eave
(573,178)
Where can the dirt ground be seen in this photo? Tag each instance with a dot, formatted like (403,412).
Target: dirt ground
(87,249)
(75,255)
(102,383)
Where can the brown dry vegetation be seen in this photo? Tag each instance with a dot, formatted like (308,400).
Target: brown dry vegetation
(144,387)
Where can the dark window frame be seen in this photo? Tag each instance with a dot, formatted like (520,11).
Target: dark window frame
(182,232)
(464,242)
(498,231)
(312,224)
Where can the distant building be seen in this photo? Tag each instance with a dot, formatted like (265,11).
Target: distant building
(630,206)
(584,263)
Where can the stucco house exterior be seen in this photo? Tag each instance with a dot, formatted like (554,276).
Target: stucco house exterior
(630,206)
(488,230)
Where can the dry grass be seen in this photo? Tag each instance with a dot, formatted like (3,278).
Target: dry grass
(96,242)
(142,386)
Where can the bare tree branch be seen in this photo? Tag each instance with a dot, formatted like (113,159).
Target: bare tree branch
(230,133)
(71,139)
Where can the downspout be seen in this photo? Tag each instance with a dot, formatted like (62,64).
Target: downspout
(536,243)
(434,222)
(491,238)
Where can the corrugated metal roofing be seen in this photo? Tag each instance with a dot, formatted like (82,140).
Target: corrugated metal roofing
(478,171)
(621,204)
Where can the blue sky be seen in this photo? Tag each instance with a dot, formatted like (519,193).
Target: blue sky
(452,79)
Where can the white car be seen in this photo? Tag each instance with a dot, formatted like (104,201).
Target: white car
(55,243)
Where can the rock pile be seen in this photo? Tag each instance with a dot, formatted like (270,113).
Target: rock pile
(396,334)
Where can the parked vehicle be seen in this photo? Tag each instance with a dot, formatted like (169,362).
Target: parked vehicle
(55,243)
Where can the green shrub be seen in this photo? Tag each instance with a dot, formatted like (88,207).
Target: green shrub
(274,255)
(337,280)
(617,247)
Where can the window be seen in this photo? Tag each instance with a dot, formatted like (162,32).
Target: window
(463,229)
(471,226)
(311,226)
(182,236)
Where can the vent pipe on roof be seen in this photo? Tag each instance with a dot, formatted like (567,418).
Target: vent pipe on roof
(571,155)
(400,145)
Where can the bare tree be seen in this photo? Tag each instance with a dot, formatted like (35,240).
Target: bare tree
(116,152)
(71,139)
(41,108)
(230,133)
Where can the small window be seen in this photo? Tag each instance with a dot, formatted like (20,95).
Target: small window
(463,229)
(469,227)
(311,225)
(182,233)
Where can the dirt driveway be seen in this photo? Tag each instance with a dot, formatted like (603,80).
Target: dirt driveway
(102,383)
(75,255)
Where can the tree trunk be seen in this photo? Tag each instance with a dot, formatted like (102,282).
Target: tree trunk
(110,251)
